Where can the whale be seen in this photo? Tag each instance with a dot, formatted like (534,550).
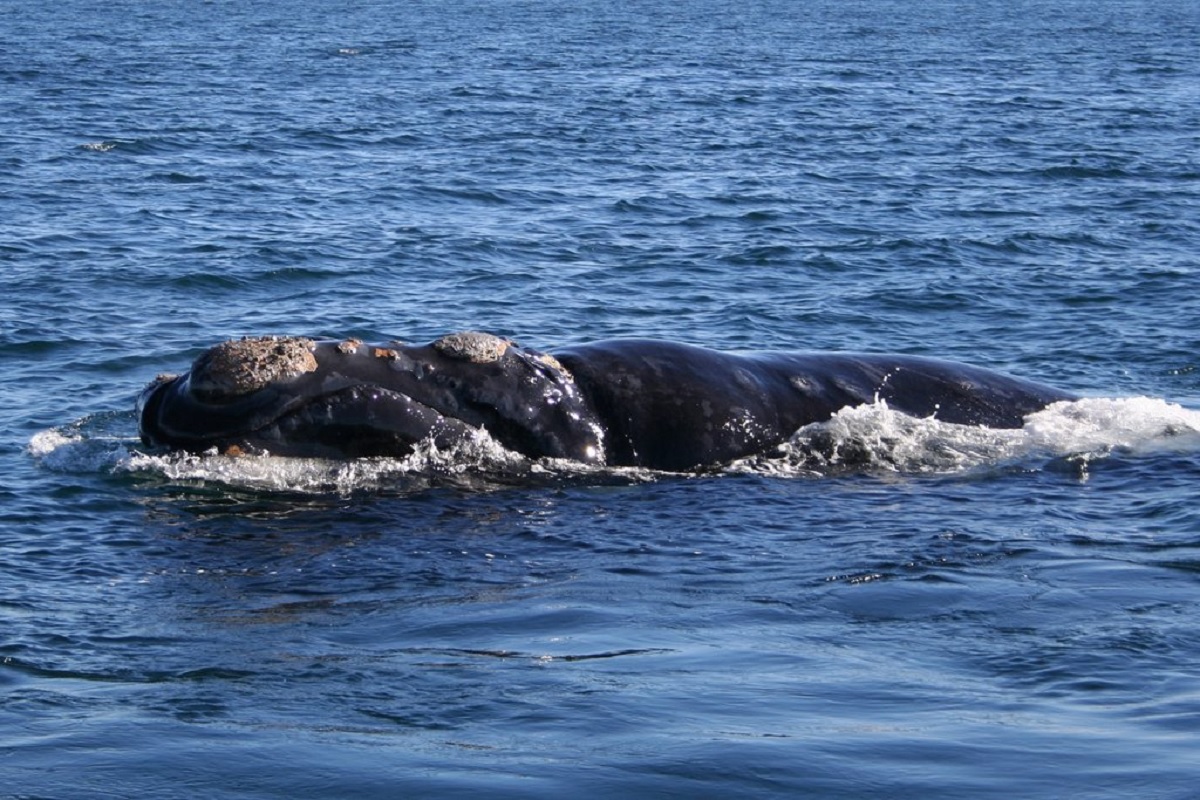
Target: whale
(648,403)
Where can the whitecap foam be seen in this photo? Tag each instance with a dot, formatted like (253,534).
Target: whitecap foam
(468,463)
(89,446)
(875,437)
(871,437)
(79,447)
(1097,426)
(45,443)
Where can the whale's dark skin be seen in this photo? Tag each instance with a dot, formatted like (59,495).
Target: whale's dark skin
(625,402)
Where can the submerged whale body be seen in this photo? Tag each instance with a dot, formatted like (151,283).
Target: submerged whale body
(626,402)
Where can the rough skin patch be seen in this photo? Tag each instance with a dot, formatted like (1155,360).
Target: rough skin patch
(242,366)
(349,346)
(479,348)
(553,362)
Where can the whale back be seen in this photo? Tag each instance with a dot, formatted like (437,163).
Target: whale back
(675,406)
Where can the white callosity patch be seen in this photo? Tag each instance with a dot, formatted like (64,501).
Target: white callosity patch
(480,348)
(242,366)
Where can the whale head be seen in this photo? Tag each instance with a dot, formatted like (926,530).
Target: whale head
(295,396)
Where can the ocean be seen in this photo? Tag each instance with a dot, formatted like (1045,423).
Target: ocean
(928,611)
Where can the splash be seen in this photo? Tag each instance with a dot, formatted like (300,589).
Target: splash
(866,438)
(1099,426)
(472,464)
(90,446)
(876,438)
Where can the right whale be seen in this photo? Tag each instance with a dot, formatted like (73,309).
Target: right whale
(622,402)
(676,406)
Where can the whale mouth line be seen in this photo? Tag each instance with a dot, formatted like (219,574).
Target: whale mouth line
(361,420)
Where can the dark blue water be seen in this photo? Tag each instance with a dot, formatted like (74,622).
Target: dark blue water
(949,612)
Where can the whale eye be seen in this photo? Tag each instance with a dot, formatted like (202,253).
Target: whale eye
(242,366)
(478,348)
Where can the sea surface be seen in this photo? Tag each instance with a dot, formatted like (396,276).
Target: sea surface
(929,611)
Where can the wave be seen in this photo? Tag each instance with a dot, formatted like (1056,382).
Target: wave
(871,438)
(875,438)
